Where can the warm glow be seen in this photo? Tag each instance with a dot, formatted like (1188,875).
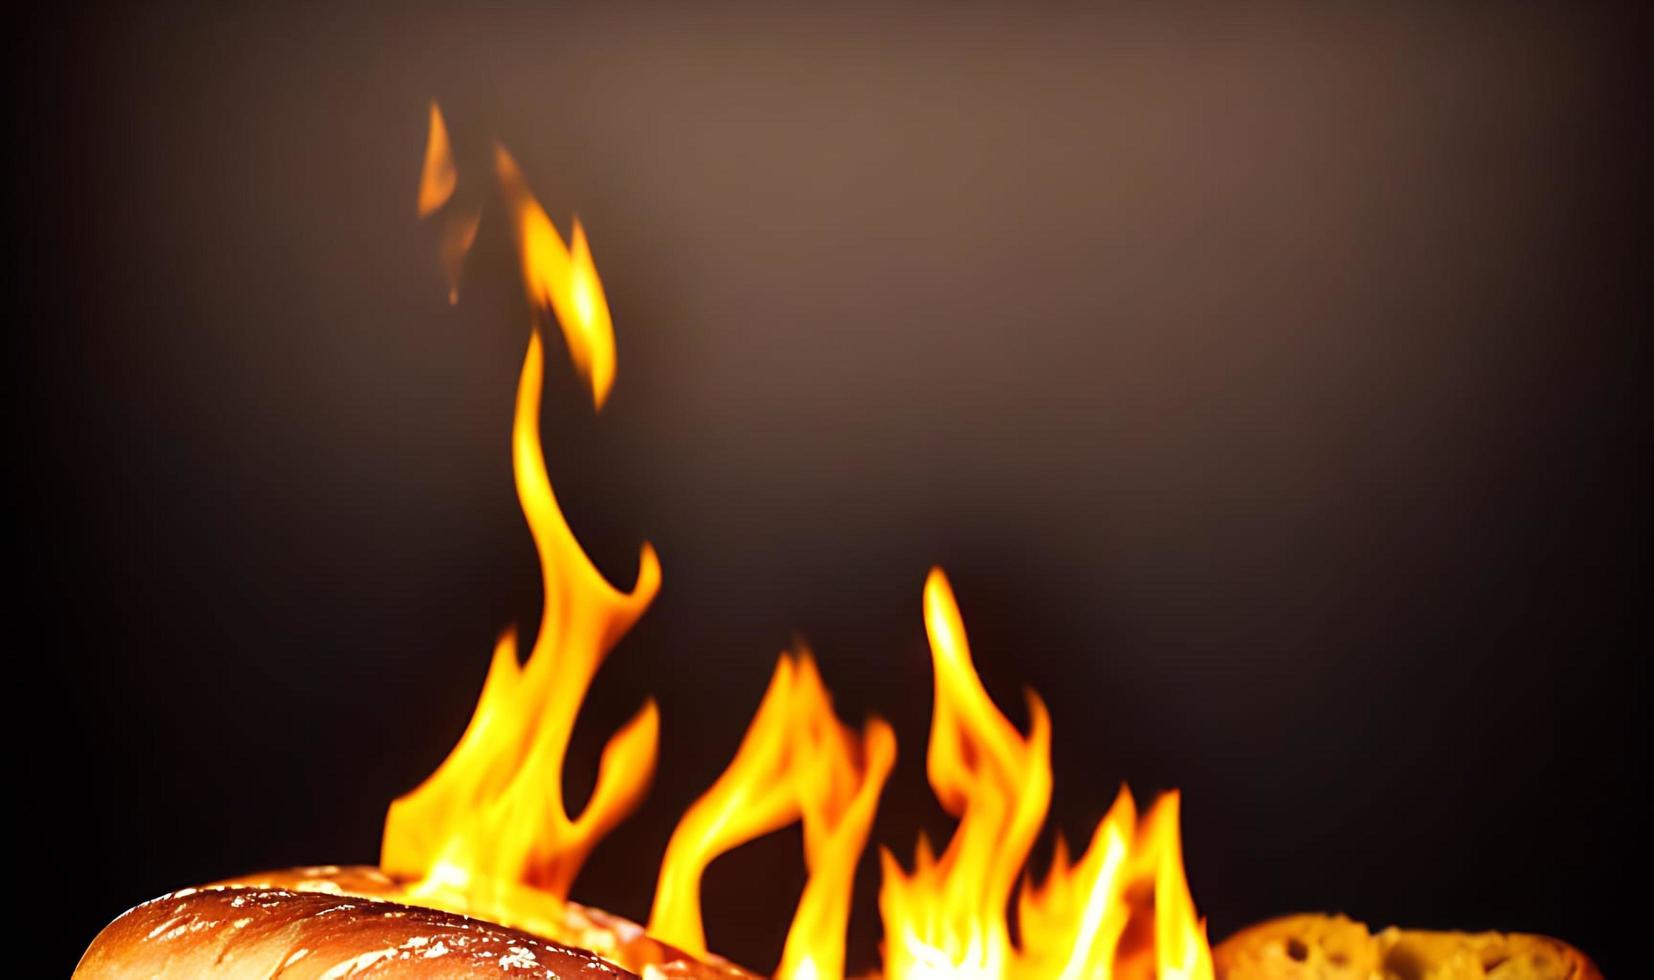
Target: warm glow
(753,797)
(438,177)
(492,817)
(562,280)
(490,834)
(796,761)
(947,917)
(838,787)
(1180,948)
(437,181)
(1071,924)
(459,231)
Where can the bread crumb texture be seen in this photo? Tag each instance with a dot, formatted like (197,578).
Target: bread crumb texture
(1334,947)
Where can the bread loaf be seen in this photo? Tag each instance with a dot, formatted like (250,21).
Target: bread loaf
(273,932)
(359,912)
(1333,947)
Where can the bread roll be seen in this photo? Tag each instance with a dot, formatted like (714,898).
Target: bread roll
(274,932)
(1333,947)
(618,943)
(616,939)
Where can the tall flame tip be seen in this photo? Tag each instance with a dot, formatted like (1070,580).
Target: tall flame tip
(437,177)
(561,281)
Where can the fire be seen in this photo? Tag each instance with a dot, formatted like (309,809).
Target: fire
(1071,925)
(948,917)
(561,278)
(438,178)
(489,832)
(837,798)
(492,819)
(796,761)
(1180,948)
(437,182)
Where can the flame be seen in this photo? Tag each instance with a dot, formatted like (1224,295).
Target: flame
(1071,925)
(438,177)
(491,821)
(1180,948)
(838,798)
(753,797)
(489,832)
(437,181)
(795,761)
(562,279)
(948,916)
(459,232)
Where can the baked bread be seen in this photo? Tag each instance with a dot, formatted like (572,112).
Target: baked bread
(1333,947)
(271,932)
(369,909)
(616,939)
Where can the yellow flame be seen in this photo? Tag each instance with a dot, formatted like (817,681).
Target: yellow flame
(438,177)
(947,917)
(838,788)
(1071,925)
(492,817)
(753,797)
(796,760)
(562,280)
(489,832)
(1180,948)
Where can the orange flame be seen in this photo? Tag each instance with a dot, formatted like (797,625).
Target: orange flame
(1071,925)
(438,177)
(948,916)
(562,279)
(838,797)
(437,181)
(1180,948)
(796,760)
(492,820)
(459,231)
(489,833)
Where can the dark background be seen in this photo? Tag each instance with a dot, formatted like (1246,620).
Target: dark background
(1261,376)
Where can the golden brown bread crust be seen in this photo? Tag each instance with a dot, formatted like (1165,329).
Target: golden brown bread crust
(271,932)
(1333,947)
(616,940)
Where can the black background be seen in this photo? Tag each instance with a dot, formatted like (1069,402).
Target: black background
(1261,376)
